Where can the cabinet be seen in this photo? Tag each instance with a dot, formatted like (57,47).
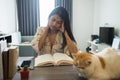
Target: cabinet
(95,48)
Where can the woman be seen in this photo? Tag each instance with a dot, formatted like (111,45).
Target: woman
(57,36)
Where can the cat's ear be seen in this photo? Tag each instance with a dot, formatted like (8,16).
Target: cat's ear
(88,62)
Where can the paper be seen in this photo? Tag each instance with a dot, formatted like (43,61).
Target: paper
(3,45)
(116,43)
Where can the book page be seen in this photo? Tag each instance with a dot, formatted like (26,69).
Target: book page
(44,60)
(62,59)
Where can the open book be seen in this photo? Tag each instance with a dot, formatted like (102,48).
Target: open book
(56,59)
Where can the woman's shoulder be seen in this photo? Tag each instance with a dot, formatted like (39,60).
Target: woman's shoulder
(41,28)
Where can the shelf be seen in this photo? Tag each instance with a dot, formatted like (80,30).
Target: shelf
(95,48)
(6,37)
(93,43)
(93,52)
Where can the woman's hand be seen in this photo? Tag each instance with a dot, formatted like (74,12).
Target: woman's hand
(47,28)
(62,29)
(42,38)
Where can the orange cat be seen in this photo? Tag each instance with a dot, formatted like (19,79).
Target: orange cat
(101,66)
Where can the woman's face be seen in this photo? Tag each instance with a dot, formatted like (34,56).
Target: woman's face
(55,22)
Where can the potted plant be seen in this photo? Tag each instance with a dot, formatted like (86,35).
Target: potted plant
(24,72)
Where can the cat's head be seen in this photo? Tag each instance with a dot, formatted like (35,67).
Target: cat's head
(82,60)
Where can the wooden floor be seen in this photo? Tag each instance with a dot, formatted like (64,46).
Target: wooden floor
(52,73)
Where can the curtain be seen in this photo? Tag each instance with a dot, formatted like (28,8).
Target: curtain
(67,4)
(28,16)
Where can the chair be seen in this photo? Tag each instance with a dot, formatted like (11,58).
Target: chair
(24,43)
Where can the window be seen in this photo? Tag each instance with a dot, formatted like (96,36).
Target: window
(46,6)
(31,15)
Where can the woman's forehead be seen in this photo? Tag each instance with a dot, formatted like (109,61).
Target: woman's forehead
(57,17)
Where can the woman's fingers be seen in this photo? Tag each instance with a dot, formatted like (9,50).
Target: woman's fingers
(62,28)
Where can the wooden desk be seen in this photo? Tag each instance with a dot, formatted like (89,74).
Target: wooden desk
(52,73)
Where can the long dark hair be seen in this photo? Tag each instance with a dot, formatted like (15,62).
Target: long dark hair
(62,12)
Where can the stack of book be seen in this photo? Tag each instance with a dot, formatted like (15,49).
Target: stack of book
(9,58)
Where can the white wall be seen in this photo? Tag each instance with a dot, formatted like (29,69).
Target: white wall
(89,15)
(83,11)
(107,11)
(7,16)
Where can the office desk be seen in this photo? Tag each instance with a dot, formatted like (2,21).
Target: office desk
(52,73)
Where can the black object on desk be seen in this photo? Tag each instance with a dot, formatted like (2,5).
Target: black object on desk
(26,63)
(8,38)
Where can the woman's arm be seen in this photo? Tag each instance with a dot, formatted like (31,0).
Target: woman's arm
(42,38)
(71,45)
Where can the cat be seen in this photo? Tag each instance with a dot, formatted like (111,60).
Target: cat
(104,65)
